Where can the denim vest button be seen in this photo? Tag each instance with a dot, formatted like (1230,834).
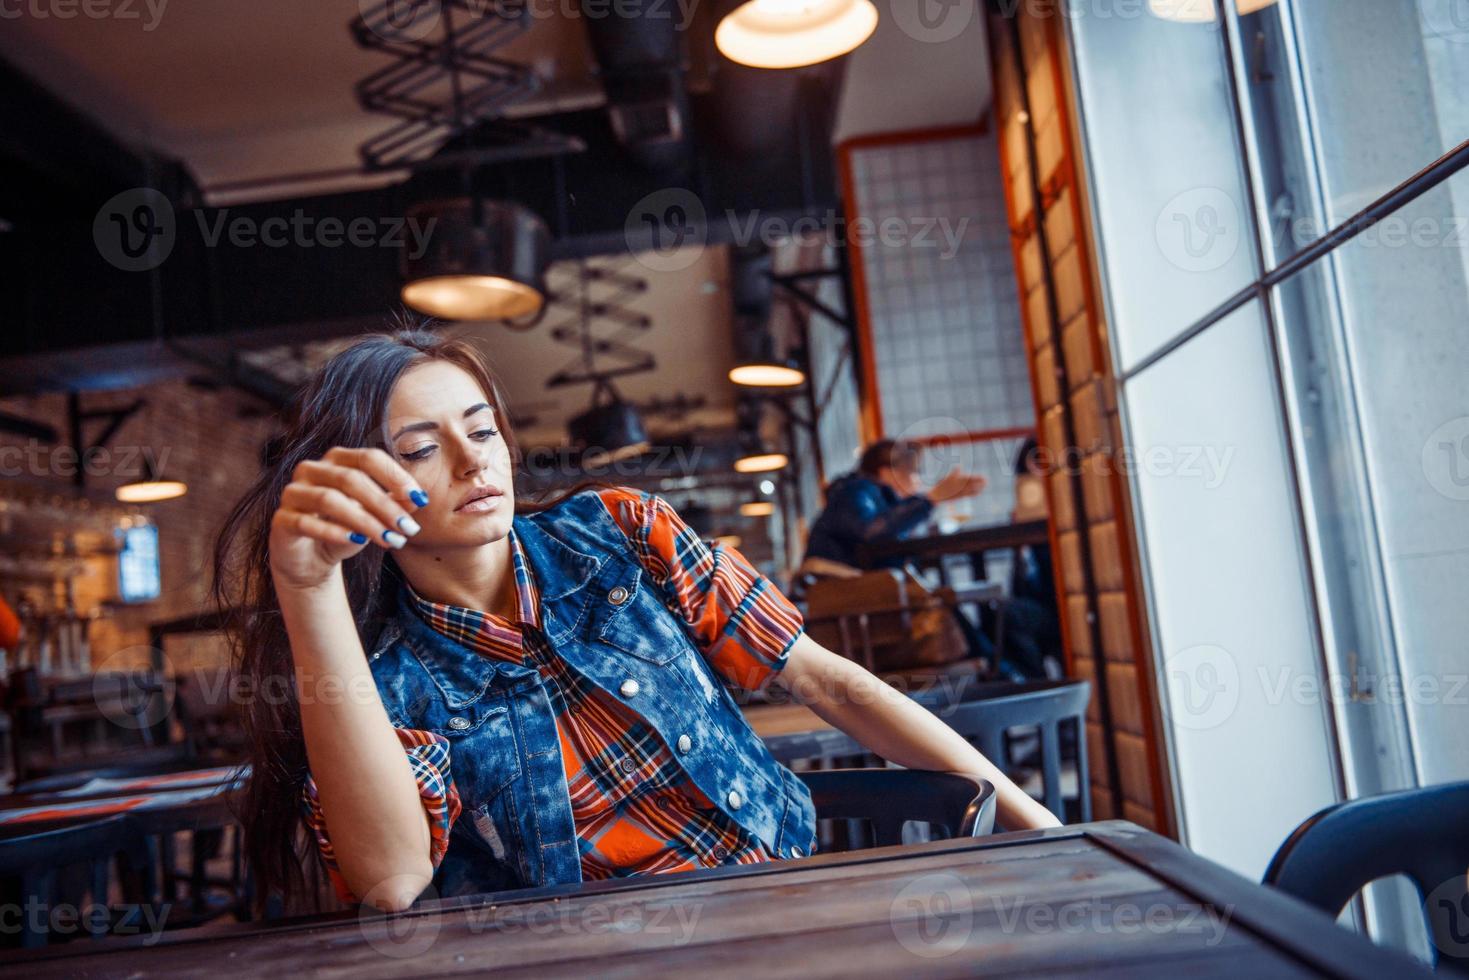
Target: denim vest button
(628,688)
(734,800)
(685,743)
(617,596)
(796,852)
(459,724)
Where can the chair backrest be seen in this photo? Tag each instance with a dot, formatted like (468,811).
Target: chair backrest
(1420,833)
(955,804)
(39,861)
(983,713)
(885,619)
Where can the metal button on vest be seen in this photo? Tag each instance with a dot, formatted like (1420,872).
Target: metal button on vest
(734,800)
(628,688)
(459,724)
(617,596)
(796,852)
(685,743)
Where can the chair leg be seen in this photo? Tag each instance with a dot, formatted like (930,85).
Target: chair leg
(1051,767)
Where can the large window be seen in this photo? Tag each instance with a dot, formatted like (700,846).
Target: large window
(1309,322)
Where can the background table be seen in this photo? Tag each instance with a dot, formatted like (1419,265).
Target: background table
(1106,898)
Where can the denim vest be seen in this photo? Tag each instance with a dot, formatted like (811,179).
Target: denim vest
(611,623)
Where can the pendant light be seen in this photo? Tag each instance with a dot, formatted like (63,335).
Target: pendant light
(1201,11)
(794,33)
(484,260)
(151,488)
(757,508)
(608,432)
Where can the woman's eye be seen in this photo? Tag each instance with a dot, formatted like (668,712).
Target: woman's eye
(420,453)
(484,434)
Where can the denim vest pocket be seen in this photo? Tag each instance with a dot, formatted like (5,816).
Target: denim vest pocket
(482,745)
(638,626)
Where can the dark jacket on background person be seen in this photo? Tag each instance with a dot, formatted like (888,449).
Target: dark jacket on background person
(860,510)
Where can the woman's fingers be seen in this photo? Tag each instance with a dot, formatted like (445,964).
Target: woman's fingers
(342,509)
(318,529)
(365,490)
(385,470)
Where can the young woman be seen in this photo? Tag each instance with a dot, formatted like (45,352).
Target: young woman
(486,693)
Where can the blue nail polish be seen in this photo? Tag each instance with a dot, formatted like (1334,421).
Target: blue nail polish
(418,497)
(358,537)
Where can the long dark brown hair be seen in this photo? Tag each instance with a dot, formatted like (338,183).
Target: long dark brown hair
(344,404)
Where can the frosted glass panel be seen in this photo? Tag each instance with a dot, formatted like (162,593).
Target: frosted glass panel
(1173,216)
(1233,616)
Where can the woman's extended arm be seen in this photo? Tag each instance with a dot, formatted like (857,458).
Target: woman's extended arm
(891,724)
(370,800)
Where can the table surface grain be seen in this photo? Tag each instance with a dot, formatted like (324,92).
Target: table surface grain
(1106,898)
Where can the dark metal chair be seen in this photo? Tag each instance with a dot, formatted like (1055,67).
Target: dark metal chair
(43,866)
(1420,833)
(952,804)
(997,719)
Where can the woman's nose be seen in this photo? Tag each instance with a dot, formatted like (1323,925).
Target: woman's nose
(471,460)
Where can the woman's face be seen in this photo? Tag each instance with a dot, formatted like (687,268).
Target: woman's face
(448,438)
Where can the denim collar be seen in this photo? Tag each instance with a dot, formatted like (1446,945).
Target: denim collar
(563,575)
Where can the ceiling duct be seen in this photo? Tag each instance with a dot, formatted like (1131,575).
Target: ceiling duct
(640,60)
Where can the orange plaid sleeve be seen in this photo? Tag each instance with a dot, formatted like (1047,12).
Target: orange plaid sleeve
(739,618)
(428,755)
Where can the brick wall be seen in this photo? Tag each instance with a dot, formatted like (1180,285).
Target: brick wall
(210,439)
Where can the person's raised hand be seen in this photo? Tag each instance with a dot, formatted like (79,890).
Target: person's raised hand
(956,484)
(333,507)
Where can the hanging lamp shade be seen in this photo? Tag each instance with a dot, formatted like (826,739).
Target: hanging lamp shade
(607,433)
(794,33)
(1202,11)
(761,462)
(490,266)
(151,488)
(768,373)
(757,508)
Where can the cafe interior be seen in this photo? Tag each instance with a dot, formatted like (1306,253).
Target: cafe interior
(1085,377)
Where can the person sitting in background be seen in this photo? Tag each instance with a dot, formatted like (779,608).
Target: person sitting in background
(879,501)
(1032,616)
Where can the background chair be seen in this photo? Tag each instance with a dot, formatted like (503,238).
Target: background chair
(1024,727)
(1421,833)
(63,867)
(952,804)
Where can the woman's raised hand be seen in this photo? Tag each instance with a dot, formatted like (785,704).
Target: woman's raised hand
(333,507)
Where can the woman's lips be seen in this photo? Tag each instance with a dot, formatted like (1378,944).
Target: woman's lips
(483,505)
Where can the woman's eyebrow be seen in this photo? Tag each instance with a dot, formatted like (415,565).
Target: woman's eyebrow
(421,426)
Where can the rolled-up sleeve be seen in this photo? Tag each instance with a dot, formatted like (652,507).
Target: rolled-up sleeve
(428,755)
(738,617)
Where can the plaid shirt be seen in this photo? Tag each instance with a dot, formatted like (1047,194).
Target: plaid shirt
(634,808)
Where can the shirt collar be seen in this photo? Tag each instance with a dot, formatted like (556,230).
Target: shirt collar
(528,600)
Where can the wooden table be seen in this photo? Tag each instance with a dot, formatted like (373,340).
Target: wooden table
(1106,898)
(930,548)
